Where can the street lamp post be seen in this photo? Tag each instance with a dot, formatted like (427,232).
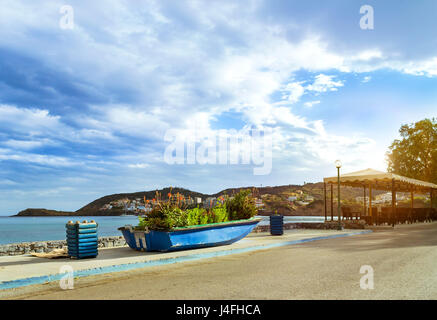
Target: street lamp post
(338,165)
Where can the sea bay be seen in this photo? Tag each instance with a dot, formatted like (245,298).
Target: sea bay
(28,229)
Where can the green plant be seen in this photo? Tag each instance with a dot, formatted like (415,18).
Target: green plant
(204,217)
(219,213)
(194,216)
(241,206)
(164,216)
(168,215)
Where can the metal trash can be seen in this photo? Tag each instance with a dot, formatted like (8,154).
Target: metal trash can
(276,225)
(82,239)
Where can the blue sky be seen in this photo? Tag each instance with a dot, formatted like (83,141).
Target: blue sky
(84,111)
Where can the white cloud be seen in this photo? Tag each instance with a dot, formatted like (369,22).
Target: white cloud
(366,79)
(293,91)
(367,55)
(139,165)
(41,159)
(421,68)
(310,104)
(34,121)
(324,148)
(324,83)
(28,144)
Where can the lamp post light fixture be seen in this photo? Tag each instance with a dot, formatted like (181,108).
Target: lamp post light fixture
(338,165)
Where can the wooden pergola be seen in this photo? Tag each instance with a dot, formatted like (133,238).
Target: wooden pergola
(378,180)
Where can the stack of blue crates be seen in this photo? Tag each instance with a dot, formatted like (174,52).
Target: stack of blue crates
(82,239)
(276,225)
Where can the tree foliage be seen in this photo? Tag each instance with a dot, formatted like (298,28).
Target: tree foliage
(415,154)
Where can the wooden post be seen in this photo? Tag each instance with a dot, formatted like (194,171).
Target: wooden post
(393,203)
(332,203)
(412,199)
(324,200)
(370,203)
(411,205)
(364,201)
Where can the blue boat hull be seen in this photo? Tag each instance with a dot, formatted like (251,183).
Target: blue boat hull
(189,238)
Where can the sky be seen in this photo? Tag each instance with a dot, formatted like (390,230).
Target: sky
(88,93)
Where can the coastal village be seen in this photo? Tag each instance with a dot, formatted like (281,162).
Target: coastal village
(140,206)
(304,200)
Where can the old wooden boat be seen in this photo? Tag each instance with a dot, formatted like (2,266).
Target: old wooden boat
(199,236)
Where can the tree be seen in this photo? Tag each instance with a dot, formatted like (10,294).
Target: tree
(415,155)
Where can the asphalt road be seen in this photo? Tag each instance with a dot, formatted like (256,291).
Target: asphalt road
(403,259)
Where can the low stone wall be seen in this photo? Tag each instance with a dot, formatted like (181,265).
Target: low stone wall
(329,225)
(13,249)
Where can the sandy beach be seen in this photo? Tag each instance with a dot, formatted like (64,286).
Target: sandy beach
(403,260)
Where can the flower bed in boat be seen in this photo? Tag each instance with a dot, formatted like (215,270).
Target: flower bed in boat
(170,226)
(199,236)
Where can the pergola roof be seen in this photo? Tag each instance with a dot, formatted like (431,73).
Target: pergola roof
(381,181)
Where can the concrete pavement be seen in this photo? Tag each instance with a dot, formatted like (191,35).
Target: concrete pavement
(18,271)
(404,260)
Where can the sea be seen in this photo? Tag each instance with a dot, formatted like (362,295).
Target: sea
(28,229)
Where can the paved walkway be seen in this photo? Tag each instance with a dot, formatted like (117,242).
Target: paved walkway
(19,271)
(403,260)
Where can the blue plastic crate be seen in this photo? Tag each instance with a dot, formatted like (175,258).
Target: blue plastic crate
(82,239)
(276,225)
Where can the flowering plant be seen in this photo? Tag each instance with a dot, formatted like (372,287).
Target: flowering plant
(170,214)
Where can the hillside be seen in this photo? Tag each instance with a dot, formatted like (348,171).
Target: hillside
(93,207)
(274,199)
(34,212)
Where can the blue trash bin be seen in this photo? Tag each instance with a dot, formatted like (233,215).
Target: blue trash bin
(276,225)
(82,240)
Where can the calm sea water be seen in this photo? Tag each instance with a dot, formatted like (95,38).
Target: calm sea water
(26,229)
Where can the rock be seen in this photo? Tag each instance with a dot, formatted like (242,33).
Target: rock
(40,245)
(119,243)
(47,246)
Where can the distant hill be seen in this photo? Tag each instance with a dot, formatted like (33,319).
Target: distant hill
(93,207)
(276,199)
(33,212)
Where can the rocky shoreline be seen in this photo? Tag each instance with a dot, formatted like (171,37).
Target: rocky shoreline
(14,249)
